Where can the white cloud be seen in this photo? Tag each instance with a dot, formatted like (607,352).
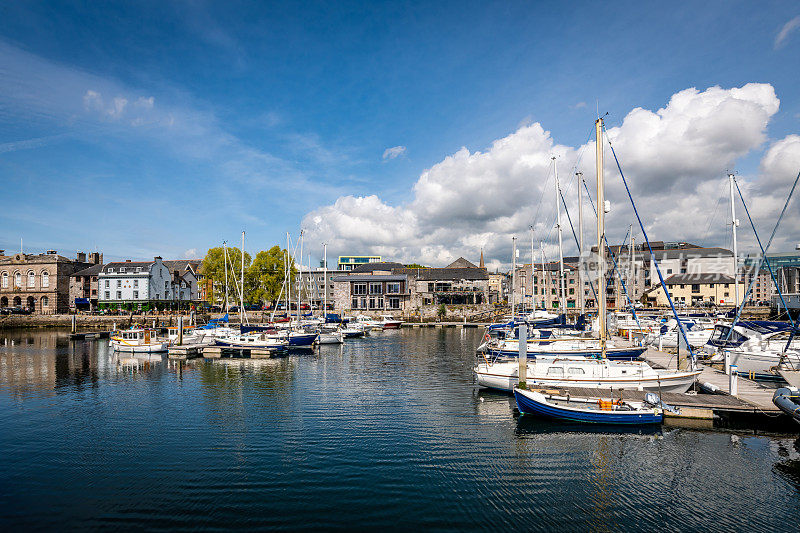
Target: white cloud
(786,30)
(675,160)
(191,253)
(395,151)
(579,105)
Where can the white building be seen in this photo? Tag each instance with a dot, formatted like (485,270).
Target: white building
(143,285)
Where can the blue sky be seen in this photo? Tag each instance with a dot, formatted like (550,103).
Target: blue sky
(164,128)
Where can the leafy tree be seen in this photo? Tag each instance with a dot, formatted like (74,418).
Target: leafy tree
(213,267)
(415,265)
(267,274)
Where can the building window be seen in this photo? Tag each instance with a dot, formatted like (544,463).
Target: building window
(108,284)
(354,303)
(119,295)
(695,287)
(394,303)
(669,271)
(359,288)
(135,295)
(5,280)
(119,283)
(710,285)
(682,286)
(136,284)
(375,288)
(725,285)
(166,286)
(392,288)
(31,279)
(45,302)
(45,279)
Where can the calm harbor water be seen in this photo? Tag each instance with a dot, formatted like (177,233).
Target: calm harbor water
(386,432)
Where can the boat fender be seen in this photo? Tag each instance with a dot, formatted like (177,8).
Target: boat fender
(709,387)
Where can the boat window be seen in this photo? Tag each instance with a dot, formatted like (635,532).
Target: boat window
(576,370)
(555,371)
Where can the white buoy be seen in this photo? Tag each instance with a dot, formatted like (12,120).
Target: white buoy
(733,384)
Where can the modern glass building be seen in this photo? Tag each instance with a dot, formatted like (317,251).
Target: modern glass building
(349,262)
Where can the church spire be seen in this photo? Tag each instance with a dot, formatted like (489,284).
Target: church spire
(481,265)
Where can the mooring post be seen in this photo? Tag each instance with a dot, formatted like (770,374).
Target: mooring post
(728,362)
(180,330)
(523,355)
(733,383)
(660,343)
(113,326)
(74,323)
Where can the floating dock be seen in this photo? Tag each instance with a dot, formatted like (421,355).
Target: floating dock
(90,335)
(192,351)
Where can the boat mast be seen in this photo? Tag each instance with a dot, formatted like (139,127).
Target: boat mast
(601,220)
(241,308)
(324,283)
(288,281)
(561,289)
(632,270)
(579,176)
(225,260)
(300,279)
(544,279)
(513,274)
(533,274)
(734,223)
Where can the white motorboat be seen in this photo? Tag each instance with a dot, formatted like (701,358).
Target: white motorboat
(549,371)
(389,322)
(756,347)
(698,333)
(264,341)
(331,336)
(137,341)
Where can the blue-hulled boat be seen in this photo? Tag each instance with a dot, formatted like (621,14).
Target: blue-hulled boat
(299,340)
(589,410)
(614,354)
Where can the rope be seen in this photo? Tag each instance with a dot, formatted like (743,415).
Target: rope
(763,257)
(578,244)
(758,239)
(650,248)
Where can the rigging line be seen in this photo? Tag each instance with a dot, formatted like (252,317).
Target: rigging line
(712,217)
(650,248)
(541,196)
(577,243)
(763,252)
(763,258)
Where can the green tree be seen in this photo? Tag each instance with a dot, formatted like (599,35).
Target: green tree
(213,267)
(267,274)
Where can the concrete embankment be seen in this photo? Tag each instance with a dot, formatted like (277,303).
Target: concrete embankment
(86,322)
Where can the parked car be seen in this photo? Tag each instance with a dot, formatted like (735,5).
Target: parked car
(19,310)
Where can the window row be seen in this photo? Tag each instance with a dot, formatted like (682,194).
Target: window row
(31,279)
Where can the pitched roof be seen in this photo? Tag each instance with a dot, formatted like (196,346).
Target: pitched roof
(91,271)
(461,263)
(126,265)
(183,264)
(690,253)
(689,279)
(371,277)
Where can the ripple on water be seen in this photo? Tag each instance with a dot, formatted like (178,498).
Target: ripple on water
(384,432)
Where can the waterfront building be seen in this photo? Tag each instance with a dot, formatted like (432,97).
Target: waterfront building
(83,288)
(497,287)
(146,285)
(392,287)
(349,262)
(697,289)
(313,285)
(40,282)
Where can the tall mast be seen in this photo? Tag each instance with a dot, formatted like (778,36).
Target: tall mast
(601,221)
(533,274)
(632,270)
(300,278)
(324,283)
(241,308)
(579,176)
(225,260)
(561,289)
(544,279)
(513,274)
(734,223)
(288,280)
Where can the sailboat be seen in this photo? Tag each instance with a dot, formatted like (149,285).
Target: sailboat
(565,371)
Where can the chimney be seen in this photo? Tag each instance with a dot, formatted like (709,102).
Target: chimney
(127,260)
(95,258)
(3,252)
(80,257)
(51,252)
